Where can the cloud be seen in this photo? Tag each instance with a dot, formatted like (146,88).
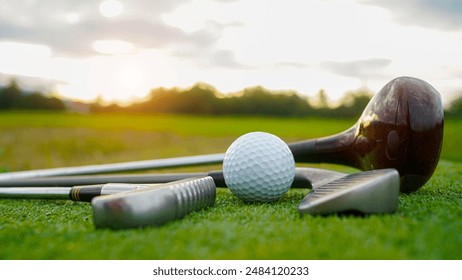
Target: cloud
(226,59)
(47,22)
(202,50)
(293,65)
(434,14)
(30,83)
(366,68)
(226,1)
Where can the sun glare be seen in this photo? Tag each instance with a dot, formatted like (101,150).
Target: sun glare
(111,8)
(130,77)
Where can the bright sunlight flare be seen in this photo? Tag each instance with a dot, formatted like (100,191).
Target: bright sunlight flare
(111,8)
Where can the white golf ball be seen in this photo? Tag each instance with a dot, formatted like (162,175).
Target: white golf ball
(259,167)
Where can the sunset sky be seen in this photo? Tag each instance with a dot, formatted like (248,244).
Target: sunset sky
(119,50)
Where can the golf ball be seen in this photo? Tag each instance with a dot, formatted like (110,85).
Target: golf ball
(259,167)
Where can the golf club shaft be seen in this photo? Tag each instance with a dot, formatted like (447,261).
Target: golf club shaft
(83,180)
(305,177)
(304,151)
(115,167)
(77,193)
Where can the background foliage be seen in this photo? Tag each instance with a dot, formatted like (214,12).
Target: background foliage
(203,99)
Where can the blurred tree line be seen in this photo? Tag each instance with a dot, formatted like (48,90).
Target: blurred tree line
(12,97)
(455,108)
(206,100)
(203,99)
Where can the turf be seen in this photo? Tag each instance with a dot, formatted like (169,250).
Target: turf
(427,224)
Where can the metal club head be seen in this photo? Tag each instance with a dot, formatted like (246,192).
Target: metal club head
(153,206)
(374,191)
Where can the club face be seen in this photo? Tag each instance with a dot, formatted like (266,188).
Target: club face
(374,191)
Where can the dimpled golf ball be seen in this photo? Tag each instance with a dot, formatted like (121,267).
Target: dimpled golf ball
(259,167)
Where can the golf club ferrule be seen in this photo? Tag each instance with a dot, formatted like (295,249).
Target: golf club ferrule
(87,193)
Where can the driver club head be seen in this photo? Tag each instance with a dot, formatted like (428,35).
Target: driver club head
(367,192)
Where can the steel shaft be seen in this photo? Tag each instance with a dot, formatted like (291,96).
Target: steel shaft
(115,167)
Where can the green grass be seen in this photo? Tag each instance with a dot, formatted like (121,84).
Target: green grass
(427,224)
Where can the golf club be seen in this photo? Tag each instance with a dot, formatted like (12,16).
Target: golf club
(76,193)
(400,128)
(153,206)
(84,188)
(367,192)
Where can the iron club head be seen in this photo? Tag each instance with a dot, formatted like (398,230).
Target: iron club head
(153,206)
(374,191)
